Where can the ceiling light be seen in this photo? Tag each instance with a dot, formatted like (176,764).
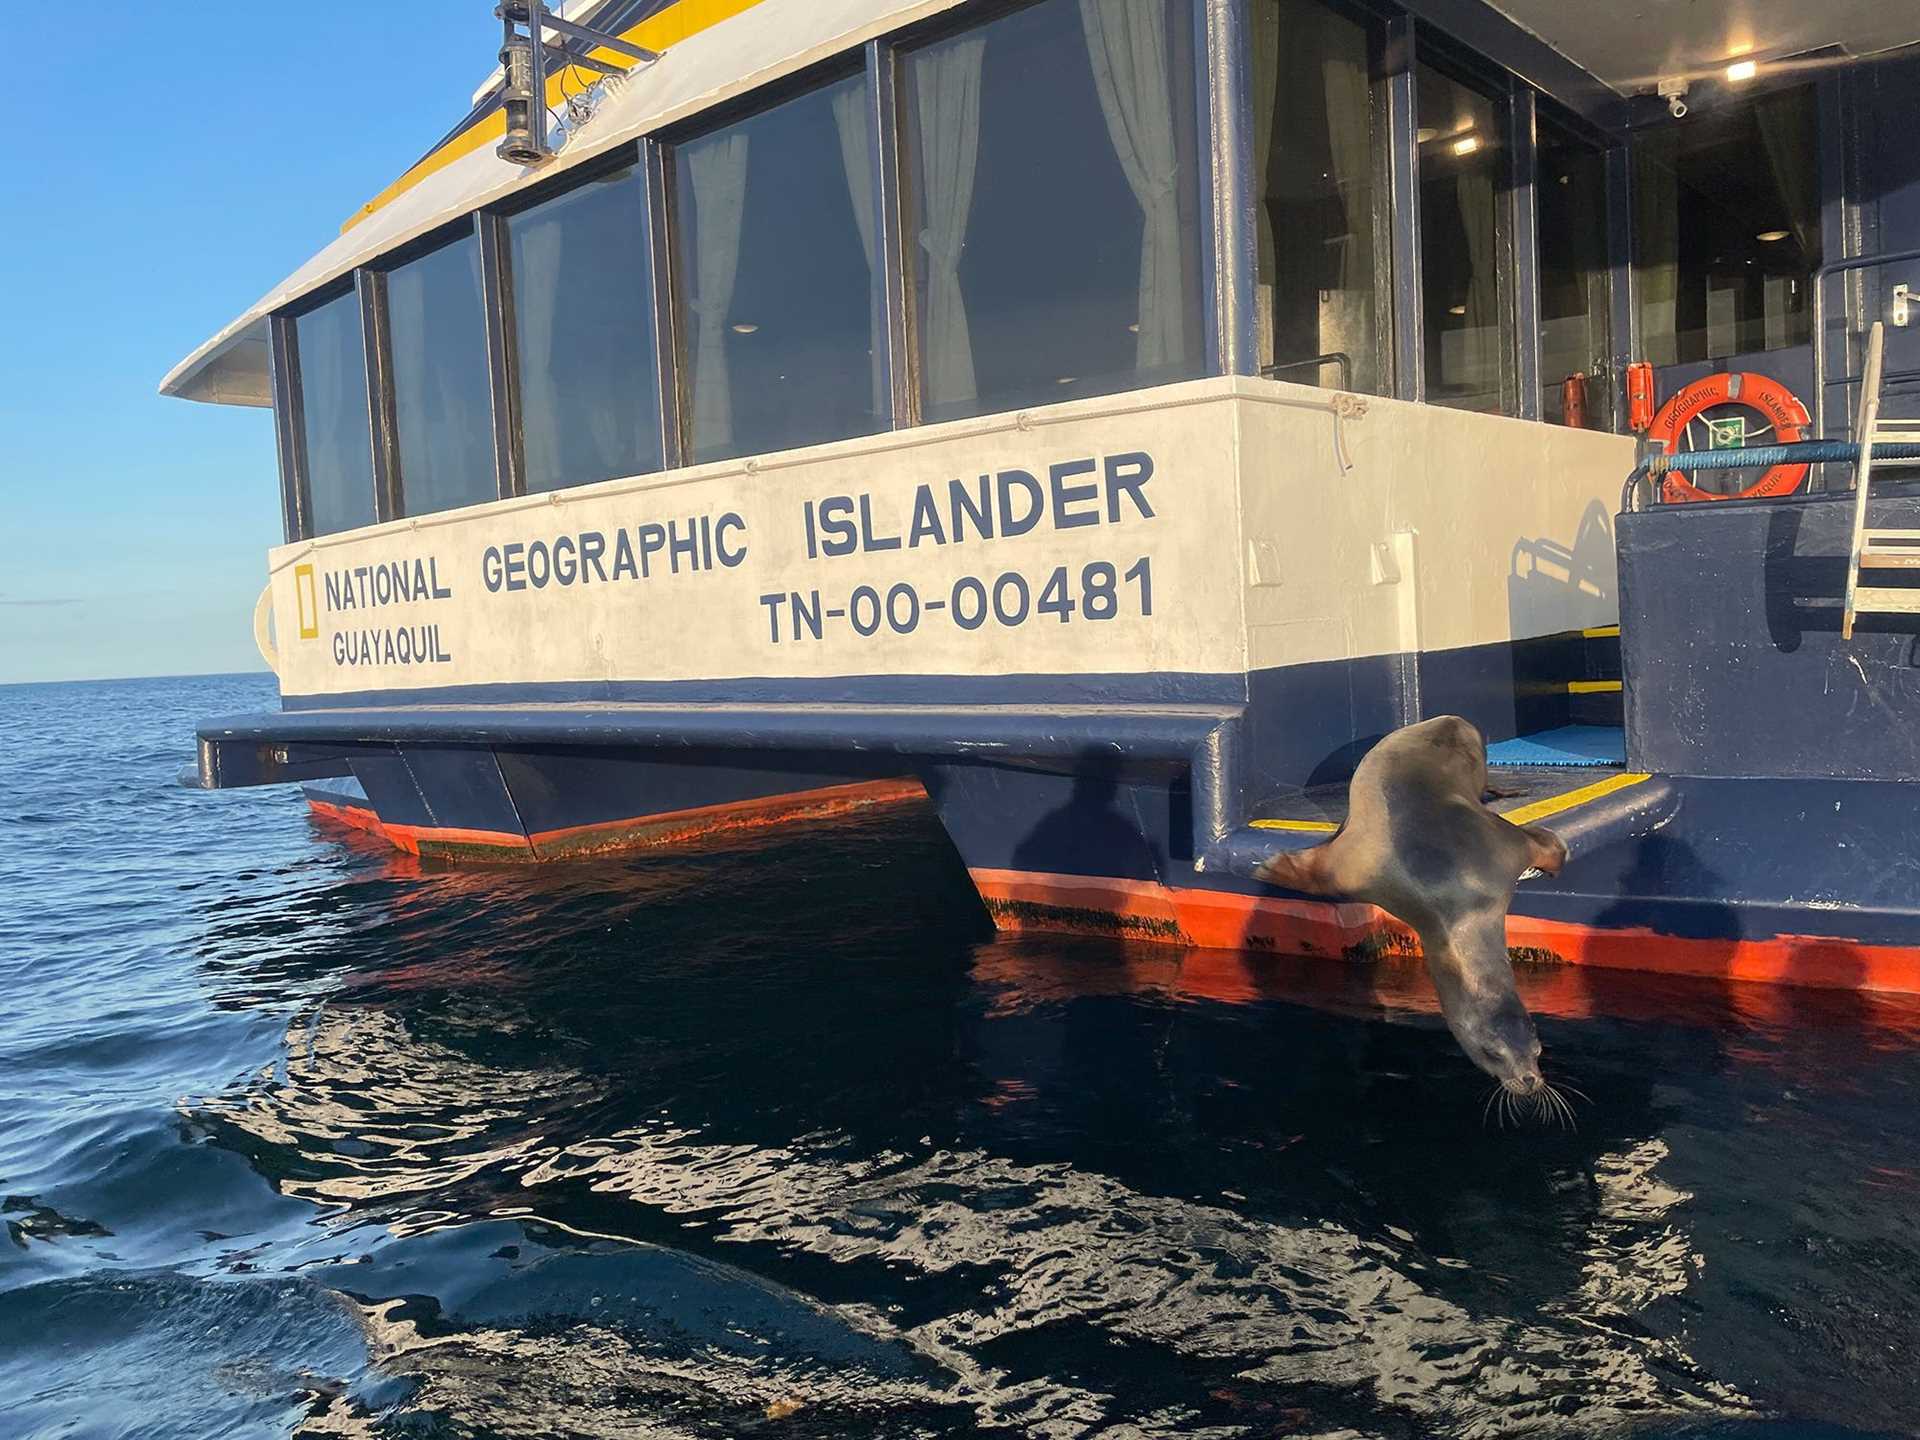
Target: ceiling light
(1135,327)
(1769,236)
(1456,310)
(1466,145)
(1066,379)
(743,328)
(1425,133)
(1741,70)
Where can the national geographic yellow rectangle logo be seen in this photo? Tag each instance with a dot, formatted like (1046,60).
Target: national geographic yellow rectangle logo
(308,602)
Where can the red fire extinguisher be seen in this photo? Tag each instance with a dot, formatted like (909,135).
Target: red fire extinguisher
(1640,396)
(1573,401)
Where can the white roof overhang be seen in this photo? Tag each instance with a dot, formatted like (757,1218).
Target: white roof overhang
(762,43)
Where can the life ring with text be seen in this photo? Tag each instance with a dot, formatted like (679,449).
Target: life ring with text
(1786,416)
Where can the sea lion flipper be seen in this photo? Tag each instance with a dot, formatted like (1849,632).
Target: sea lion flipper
(1305,872)
(1546,851)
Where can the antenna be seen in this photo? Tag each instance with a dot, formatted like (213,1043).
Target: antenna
(524,61)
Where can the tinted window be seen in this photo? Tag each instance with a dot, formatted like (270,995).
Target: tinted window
(774,218)
(443,413)
(1575,283)
(1056,202)
(1463,158)
(1315,133)
(1726,234)
(583,321)
(333,402)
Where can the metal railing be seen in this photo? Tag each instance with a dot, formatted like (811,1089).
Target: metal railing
(1820,278)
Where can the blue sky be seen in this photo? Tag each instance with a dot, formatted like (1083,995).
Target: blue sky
(175,171)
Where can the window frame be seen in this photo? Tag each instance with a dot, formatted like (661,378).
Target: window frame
(296,479)
(643,157)
(1527,81)
(888,284)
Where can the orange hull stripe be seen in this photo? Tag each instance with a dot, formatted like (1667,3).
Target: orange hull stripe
(676,824)
(1214,920)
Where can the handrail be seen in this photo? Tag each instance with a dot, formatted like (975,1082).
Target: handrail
(1338,358)
(1863,469)
(1820,277)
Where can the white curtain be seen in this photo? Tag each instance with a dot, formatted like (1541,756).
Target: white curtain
(1132,70)
(947,95)
(718,167)
(856,156)
(536,284)
(1656,259)
(1266,102)
(1482,337)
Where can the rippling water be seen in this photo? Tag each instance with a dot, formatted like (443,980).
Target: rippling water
(775,1137)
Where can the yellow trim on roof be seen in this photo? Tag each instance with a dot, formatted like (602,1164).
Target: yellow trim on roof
(1601,632)
(1316,827)
(658,32)
(1593,687)
(1556,804)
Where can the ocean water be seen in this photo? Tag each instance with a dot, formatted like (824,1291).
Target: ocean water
(775,1137)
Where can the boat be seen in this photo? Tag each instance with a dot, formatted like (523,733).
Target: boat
(1102,420)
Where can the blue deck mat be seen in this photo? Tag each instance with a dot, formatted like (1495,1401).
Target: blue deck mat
(1569,745)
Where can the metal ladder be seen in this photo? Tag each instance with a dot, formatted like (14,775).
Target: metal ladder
(1877,549)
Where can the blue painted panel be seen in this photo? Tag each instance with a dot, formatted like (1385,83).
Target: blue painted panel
(1730,642)
(1158,688)
(463,788)
(389,787)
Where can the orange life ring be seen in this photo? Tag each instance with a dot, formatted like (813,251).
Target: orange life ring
(1757,392)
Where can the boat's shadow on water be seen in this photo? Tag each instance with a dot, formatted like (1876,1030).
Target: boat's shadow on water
(778,1130)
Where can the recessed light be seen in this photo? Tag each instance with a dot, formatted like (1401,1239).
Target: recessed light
(1456,310)
(743,328)
(1466,145)
(1769,236)
(1741,70)
(1066,379)
(1425,133)
(1135,327)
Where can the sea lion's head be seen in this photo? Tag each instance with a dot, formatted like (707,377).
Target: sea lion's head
(1484,1012)
(1499,1037)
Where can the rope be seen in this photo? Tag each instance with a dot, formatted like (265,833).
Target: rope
(1798,452)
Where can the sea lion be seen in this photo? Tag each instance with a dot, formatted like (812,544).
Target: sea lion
(1420,843)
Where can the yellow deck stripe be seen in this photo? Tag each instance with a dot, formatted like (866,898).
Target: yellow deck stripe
(1600,632)
(1521,815)
(1556,804)
(1593,687)
(656,32)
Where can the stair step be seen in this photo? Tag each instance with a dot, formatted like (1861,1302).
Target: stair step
(1886,600)
(1874,537)
(1899,558)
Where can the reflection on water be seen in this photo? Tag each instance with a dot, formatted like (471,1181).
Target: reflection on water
(775,1137)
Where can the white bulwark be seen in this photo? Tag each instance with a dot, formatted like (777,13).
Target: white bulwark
(1209,528)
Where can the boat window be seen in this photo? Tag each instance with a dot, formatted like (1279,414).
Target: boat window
(1463,165)
(442,397)
(1726,209)
(1575,281)
(1318,129)
(584,327)
(337,433)
(775,222)
(1055,197)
